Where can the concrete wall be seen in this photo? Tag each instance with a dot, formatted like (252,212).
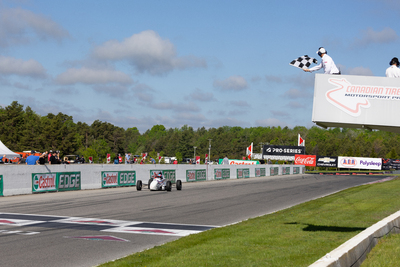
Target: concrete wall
(354,251)
(17,179)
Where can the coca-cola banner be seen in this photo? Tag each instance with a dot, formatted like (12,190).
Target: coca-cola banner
(324,161)
(306,160)
(388,164)
(360,163)
(283,150)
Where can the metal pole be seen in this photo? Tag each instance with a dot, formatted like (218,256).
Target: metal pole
(195,153)
(209,150)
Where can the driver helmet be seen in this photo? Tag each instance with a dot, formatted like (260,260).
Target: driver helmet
(159,175)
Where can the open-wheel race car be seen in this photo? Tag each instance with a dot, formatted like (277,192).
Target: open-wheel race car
(159,184)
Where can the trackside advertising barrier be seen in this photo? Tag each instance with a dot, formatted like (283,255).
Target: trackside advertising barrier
(44,182)
(118,178)
(222,174)
(296,170)
(57,181)
(240,162)
(285,170)
(169,175)
(260,172)
(360,163)
(273,171)
(243,173)
(68,181)
(196,175)
(1,185)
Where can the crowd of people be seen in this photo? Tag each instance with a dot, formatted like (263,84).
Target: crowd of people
(34,158)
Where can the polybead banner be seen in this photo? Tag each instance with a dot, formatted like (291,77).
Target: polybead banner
(360,163)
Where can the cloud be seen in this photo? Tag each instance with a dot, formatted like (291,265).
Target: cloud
(19,26)
(273,78)
(240,103)
(13,66)
(269,122)
(147,52)
(360,71)
(297,105)
(177,107)
(199,95)
(282,114)
(296,93)
(233,83)
(93,76)
(369,36)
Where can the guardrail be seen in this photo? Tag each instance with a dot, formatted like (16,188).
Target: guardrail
(27,179)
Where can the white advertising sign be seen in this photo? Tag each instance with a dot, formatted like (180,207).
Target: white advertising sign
(360,163)
(356,101)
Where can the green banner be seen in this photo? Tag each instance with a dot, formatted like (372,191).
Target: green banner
(285,170)
(118,178)
(273,171)
(296,170)
(68,181)
(44,182)
(109,179)
(243,173)
(127,178)
(1,185)
(196,175)
(260,172)
(169,175)
(222,174)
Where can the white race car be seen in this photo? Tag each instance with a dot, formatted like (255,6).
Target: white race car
(159,184)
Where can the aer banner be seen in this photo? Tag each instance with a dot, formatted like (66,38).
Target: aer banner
(360,163)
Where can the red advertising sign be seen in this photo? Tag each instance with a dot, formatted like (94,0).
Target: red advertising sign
(307,160)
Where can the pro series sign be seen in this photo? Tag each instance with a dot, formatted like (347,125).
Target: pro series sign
(283,150)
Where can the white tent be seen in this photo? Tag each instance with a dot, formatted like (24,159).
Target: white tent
(5,151)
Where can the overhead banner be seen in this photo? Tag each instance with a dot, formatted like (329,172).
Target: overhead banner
(368,102)
(324,161)
(272,150)
(360,163)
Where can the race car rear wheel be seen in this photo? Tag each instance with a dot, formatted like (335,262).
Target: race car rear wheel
(150,180)
(168,186)
(139,185)
(178,184)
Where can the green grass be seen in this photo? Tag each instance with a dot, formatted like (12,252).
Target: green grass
(385,254)
(297,236)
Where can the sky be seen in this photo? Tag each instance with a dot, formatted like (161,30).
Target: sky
(208,63)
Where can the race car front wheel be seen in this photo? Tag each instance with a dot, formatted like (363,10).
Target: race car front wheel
(178,184)
(168,186)
(139,185)
(150,180)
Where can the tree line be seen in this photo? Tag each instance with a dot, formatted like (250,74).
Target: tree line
(23,129)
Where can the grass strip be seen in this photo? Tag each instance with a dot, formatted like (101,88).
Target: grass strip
(296,236)
(385,254)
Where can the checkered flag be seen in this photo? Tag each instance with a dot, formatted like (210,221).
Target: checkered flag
(304,61)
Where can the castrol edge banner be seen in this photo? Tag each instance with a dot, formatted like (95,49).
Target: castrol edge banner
(356,101)
(306,160)
(360,163)
(44,182)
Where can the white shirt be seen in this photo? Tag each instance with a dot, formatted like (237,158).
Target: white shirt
(393,72)
(328,65)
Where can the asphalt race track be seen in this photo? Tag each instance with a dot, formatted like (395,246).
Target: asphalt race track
(89,227)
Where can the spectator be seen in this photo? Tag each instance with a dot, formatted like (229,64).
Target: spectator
(32,159)
(225,161)
(175,162)
(127,158)
(2,158)
(116,160)
(42,158)
(54,159)
(153,160)
(393,71)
